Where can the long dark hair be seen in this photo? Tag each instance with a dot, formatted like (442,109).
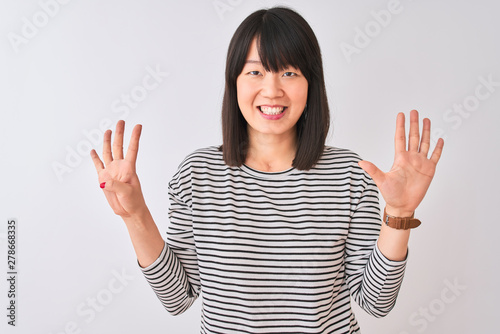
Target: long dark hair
(284,39)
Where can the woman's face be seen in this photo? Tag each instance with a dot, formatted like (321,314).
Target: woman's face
(270,102)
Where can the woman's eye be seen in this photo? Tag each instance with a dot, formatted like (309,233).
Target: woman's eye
(254,72)
(289,74)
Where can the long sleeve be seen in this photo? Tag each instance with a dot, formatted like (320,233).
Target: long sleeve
(274,252)
(373,280)
(174,276)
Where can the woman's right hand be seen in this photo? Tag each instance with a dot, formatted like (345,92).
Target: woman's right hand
(117,175)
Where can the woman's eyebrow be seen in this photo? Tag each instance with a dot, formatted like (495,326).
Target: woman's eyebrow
(252,61)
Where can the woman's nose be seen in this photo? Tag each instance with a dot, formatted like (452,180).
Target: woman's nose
(271,86)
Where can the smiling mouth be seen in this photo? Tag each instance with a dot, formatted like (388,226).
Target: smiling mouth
(271,110)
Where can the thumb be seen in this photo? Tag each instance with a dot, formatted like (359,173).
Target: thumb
(117,187)
(376,174)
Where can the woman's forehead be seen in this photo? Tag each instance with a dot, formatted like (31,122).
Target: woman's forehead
(254,58)
(253,52)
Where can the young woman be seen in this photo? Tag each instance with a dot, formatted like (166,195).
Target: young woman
(276,229)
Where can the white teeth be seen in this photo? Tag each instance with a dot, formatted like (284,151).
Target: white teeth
(272,110)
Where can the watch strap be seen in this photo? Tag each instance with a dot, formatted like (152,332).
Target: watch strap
(401,223)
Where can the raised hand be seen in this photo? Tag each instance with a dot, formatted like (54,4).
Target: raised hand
(405,185)
(117,175)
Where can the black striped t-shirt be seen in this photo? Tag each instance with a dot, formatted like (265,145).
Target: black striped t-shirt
(274,252)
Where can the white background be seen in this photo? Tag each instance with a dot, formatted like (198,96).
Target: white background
(61,79)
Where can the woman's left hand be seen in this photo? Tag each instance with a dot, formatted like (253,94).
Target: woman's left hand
(405,185)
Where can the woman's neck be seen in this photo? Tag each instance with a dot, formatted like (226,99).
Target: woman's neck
(271,153)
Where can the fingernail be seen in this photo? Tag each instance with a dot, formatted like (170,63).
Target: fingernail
(102,185)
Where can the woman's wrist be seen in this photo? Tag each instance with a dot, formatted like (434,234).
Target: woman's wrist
(398,212)
(145,237)
(140,220)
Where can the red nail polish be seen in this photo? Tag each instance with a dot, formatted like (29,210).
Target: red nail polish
(102,185)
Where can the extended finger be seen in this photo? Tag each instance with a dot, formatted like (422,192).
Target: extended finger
(426,137)
(118,140)
(133,147)
(97,162)
(400,136)
(375,173)
(106,148)
(437,151)
(414,136)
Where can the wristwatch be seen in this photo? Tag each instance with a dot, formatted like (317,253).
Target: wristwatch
(400,223)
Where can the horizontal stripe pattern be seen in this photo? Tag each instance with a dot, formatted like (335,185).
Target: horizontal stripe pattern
(274,252)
